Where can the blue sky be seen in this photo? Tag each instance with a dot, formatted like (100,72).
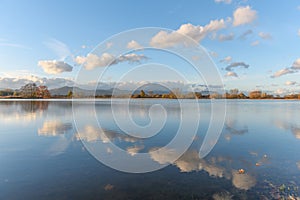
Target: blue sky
(35,31)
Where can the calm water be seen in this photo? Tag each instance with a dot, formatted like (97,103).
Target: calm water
(42,156)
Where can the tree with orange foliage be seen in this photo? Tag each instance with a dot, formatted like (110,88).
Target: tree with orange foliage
(43,92)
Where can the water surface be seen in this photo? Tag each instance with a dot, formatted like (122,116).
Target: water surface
(42,155)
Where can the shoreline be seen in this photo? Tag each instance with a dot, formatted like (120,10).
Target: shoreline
(91,99)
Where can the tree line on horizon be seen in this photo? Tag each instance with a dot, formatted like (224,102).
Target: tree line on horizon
(232,94)
(33,91)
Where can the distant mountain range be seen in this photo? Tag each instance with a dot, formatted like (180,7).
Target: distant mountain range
(63,91)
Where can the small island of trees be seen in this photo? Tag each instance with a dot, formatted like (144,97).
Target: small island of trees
(28,91)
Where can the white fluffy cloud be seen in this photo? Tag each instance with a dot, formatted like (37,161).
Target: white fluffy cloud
(299,32)
(17,82)
(164,39)
(288,70)
(282,72)
(265,36)
(134,45)
(233,74)
(244,15)
(54,66)
(296,64)
(227,59)
(289,83)
(91,61)
(223,1)
(199,32)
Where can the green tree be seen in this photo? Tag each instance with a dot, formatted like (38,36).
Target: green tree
(15,93)
(142,94)
(70,94)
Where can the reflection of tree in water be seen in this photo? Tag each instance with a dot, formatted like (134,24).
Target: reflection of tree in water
(34,106)
(7,103)
(62,104)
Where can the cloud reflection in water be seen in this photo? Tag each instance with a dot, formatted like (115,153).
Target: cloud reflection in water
(190,161)
(93,134)
(54,128)
(293,128)
(133,150)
